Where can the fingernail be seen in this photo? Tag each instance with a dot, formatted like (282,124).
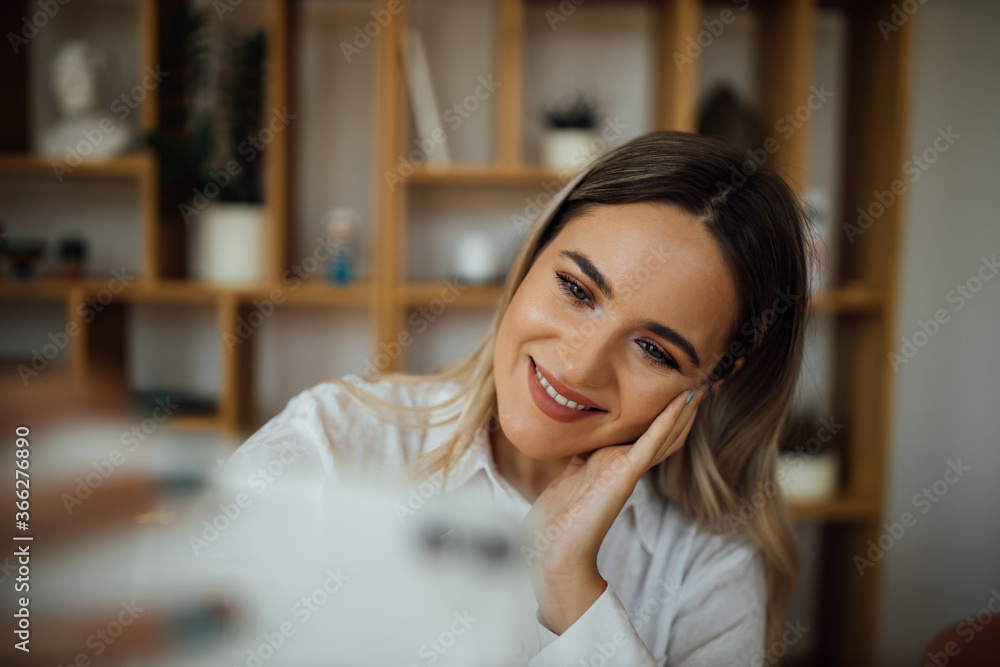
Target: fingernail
(201,625)
(179,485)
(709,387)
(690,396)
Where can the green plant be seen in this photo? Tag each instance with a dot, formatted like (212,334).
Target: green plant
(579,113)
(211,114)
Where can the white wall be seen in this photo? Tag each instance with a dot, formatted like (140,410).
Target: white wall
(947,407)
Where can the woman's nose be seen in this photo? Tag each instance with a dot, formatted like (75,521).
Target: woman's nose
(586,354)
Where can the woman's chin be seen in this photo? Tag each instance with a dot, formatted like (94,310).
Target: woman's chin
(538,444)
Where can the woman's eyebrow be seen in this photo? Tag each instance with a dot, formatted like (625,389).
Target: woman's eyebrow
(661,330)
(592,272)
(665,332)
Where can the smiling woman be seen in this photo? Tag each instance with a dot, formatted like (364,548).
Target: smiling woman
(624,402)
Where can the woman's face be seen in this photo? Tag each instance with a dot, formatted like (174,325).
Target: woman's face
(627,307)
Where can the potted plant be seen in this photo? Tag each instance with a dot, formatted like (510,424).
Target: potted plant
(570,136)
(808,460)
(211,147)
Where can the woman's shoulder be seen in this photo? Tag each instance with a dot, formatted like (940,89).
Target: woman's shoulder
(348,420)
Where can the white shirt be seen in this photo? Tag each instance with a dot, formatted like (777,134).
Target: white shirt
(677,594)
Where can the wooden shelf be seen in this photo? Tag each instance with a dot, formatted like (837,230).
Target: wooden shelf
(317,293)
(843,510)
(120,166)
(850,300)
(44,289)
(421,294)
(184,291)
(490,175)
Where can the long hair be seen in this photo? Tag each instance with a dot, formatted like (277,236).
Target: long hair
(725,475)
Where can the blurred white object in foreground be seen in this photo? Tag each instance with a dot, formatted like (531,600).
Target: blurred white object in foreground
(343,575)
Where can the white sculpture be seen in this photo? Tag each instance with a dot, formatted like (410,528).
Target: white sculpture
(80,78)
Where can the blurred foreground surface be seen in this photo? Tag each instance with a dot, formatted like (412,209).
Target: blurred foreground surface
(143,548)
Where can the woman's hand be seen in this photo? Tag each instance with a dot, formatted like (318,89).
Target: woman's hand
(569,520)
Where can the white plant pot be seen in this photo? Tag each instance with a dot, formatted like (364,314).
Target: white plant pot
(806,478)
(568,148)
(227,243)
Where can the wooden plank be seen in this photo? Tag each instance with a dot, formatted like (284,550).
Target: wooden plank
(276,167)
(488,174)
(117,166)
(785,69)
(849,300)
(511,72)
(390,206)
(465,296)
(227,314)
(78,344)
(678,78)
(878,75)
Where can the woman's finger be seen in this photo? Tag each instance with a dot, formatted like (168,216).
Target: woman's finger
(650,443)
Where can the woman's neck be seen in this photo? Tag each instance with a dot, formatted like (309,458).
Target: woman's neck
(528,475)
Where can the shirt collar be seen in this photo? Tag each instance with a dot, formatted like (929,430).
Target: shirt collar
(644,504)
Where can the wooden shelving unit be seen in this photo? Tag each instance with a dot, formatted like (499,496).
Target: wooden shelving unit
(862,305)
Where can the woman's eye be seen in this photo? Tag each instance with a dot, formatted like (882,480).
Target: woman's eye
(657,355)
(573,288)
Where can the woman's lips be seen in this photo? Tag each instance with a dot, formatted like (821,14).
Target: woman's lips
(550,406)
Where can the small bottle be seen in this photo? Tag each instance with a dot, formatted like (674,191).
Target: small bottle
(342,236)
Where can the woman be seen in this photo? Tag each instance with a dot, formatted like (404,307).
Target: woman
(643,357)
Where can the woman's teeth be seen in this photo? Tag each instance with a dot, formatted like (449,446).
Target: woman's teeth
(556,396)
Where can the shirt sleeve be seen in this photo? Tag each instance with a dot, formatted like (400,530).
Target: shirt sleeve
(719,621)
(721,614)
(603,635)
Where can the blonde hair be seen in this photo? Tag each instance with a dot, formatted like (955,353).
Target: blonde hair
(730,457)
